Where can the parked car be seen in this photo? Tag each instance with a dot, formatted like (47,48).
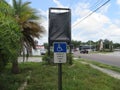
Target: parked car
(84,51)
(43,51)
(75,50)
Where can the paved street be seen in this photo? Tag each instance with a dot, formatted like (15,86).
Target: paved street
(111,58)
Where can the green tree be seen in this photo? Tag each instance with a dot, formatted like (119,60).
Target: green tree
(9,35)
(116,45)
(90,42)
(106,44)
(26,18)
(111,46)
(76,43)
(46,45)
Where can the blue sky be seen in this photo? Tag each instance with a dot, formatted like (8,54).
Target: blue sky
(103,24)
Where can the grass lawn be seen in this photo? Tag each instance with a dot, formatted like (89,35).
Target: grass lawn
(75,77)
(9,81)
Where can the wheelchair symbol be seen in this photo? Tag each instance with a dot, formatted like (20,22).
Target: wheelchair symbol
(59,48)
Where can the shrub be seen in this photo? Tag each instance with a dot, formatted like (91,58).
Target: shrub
(69,58)
(49,59)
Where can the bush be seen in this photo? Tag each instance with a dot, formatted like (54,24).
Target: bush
(3,62)
(69,58)
(49,59)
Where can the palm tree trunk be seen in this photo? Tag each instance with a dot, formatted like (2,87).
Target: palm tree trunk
(15,68)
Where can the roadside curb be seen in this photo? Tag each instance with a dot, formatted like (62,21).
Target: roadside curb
(104,70)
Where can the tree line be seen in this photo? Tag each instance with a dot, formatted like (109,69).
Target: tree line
(108,45)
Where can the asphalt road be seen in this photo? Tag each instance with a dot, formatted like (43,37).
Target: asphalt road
(111,59)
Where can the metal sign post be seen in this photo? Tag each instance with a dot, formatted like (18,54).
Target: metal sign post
(59,76)
(60,49)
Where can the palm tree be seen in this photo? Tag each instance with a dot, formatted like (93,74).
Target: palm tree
(26,18)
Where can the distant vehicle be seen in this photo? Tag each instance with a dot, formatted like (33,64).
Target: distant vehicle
(75,50)
(84,51)
(72,51)
(86,48)
(43,51)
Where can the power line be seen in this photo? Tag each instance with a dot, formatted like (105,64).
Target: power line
(92,12)
(98,2)
(95,5)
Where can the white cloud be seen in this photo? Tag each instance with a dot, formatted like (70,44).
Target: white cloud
(81,9)
(58,3)
(118,2)
(95,27)
(93,23)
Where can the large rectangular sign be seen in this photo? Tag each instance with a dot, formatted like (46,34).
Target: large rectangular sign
(60,49)
(59,25)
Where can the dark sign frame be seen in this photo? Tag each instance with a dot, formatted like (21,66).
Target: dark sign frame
(62,33)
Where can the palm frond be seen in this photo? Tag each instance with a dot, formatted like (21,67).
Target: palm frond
(34,29)
(25,4)
(26,18)
(15,5)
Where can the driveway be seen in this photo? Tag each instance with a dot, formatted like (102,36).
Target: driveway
(30,59)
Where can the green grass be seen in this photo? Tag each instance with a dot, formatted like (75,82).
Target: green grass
(75,77)
(9,81)
(114,68)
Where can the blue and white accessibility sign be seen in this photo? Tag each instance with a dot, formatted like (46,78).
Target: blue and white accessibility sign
(60,49)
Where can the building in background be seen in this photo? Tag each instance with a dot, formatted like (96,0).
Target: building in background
(40,50)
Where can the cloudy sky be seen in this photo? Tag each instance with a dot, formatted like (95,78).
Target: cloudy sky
(102,24)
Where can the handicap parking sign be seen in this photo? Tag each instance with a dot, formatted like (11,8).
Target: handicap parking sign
(60,47)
